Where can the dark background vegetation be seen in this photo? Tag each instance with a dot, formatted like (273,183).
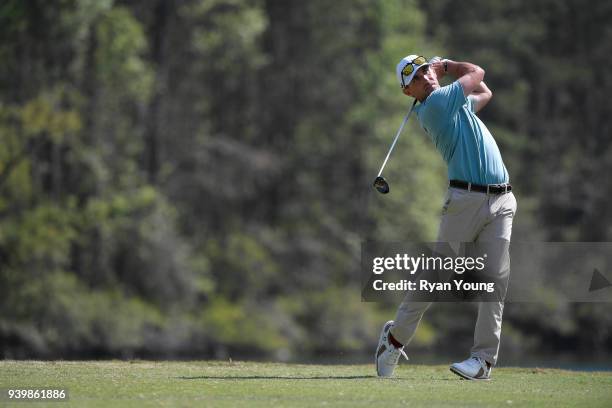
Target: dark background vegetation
(191,178)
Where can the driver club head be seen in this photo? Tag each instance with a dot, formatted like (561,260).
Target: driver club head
(381,185)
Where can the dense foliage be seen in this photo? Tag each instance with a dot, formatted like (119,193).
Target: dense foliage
(192,177)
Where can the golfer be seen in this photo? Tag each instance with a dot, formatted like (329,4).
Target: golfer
(479,205)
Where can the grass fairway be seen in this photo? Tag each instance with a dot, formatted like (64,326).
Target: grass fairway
(221,384)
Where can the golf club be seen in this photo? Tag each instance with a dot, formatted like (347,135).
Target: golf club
(380,183)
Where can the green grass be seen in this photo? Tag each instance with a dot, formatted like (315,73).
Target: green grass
(225,384)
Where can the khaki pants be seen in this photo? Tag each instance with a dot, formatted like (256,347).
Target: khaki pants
(469,217)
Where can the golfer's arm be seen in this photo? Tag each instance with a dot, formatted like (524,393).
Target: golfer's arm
(481,96)
(469,75)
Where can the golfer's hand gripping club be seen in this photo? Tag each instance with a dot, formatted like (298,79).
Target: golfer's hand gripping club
(380,183)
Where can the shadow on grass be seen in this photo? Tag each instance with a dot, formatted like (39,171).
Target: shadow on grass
(326,377)
(278,377)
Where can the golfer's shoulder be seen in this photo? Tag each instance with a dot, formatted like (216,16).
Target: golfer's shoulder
(445,98)
(438,99)
(451,90)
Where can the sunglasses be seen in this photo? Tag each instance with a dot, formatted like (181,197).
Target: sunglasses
(409,68)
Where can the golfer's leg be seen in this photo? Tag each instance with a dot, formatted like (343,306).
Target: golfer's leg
(495,237)
(460,223)
(487,333)
(407,320)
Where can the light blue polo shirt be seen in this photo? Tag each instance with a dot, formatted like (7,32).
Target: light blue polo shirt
(463,140)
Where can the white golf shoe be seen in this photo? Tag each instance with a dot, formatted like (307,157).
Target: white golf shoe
(474,368)
(387,355)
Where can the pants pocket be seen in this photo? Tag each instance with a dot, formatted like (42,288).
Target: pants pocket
(447,201)
(457,201)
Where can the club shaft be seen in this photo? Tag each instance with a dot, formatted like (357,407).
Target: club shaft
(399,131)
